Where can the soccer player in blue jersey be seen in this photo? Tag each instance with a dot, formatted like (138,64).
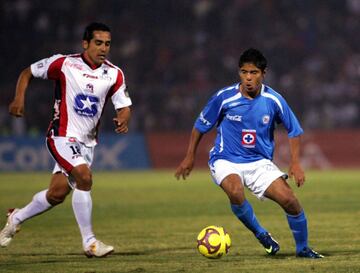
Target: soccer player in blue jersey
(245,115)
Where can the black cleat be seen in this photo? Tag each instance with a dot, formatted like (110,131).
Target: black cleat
(268,242)
(309,253)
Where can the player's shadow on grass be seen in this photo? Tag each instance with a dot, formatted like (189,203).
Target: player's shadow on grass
(326,254)
(278,256)
(151,251)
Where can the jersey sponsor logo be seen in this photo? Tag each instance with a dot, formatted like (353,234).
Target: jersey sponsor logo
(234,117)
(248,138)
(90,76)
(266,119)
(86,105)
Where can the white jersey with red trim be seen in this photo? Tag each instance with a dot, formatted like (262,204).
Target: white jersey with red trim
(81,92)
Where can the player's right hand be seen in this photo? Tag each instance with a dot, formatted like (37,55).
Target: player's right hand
(184,168)
(16,108)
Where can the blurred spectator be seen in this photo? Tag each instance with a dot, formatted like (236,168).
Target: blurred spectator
(176,53)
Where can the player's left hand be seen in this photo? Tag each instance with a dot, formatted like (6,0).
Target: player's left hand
(296,172)
(121,126)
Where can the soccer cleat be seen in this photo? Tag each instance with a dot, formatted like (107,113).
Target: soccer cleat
(268,242)
(10,229)
(98,249)
(309,253)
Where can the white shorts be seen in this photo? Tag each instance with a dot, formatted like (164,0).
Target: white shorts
(256,176)
(68,153)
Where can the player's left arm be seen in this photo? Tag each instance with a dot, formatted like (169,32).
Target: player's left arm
(122,120)
(122,102)
(294,130)
(295,169)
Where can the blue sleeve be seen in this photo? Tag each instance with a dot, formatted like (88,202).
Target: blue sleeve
(289,120)
(209,115)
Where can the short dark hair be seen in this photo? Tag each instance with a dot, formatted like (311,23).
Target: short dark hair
(89,30)
(254,56)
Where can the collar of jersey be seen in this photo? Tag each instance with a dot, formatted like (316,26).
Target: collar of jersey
(92,66)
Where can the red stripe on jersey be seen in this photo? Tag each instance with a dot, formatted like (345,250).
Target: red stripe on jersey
(54,70)
(60,160)
(118,83)
(63,107)
(59,123)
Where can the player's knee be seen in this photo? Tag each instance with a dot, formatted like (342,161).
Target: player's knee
(84,181)
(56,197)
(236,195)
(291,205)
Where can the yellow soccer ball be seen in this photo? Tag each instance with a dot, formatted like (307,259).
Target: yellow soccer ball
(213,242)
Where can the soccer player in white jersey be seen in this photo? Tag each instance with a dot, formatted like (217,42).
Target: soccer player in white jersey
(245,115)
(83,84)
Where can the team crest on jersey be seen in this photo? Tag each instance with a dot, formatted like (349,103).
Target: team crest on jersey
(89,88)
(248,138)
(265,119)
(86,105)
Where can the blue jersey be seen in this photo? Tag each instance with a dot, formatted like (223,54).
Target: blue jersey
(245,127)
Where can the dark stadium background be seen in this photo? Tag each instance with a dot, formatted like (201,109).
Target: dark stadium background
(175,54)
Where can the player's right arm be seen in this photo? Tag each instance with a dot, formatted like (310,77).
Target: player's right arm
(16,107)
(203,124)
(186,166)
(48,68)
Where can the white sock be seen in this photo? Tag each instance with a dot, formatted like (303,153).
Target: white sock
(82,206)
(38,205)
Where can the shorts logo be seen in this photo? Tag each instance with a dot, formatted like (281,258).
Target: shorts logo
(266,119)
(86,105)
(248,138)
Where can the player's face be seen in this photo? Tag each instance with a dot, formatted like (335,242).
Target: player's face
(98,47)
(251,78)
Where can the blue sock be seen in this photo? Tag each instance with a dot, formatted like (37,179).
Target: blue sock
(298,226)
(246,215)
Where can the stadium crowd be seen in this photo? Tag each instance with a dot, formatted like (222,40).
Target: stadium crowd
(175,54)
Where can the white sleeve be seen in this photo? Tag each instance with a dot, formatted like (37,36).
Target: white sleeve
(40,68)
(121,97)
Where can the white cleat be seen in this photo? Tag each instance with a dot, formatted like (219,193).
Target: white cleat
(10,229)
(98,249)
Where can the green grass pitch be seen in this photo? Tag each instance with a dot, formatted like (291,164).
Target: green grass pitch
(153,220)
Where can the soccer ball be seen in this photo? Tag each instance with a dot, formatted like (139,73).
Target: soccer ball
(213,242)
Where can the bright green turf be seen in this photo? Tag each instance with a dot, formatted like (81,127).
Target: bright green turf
(153,220)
